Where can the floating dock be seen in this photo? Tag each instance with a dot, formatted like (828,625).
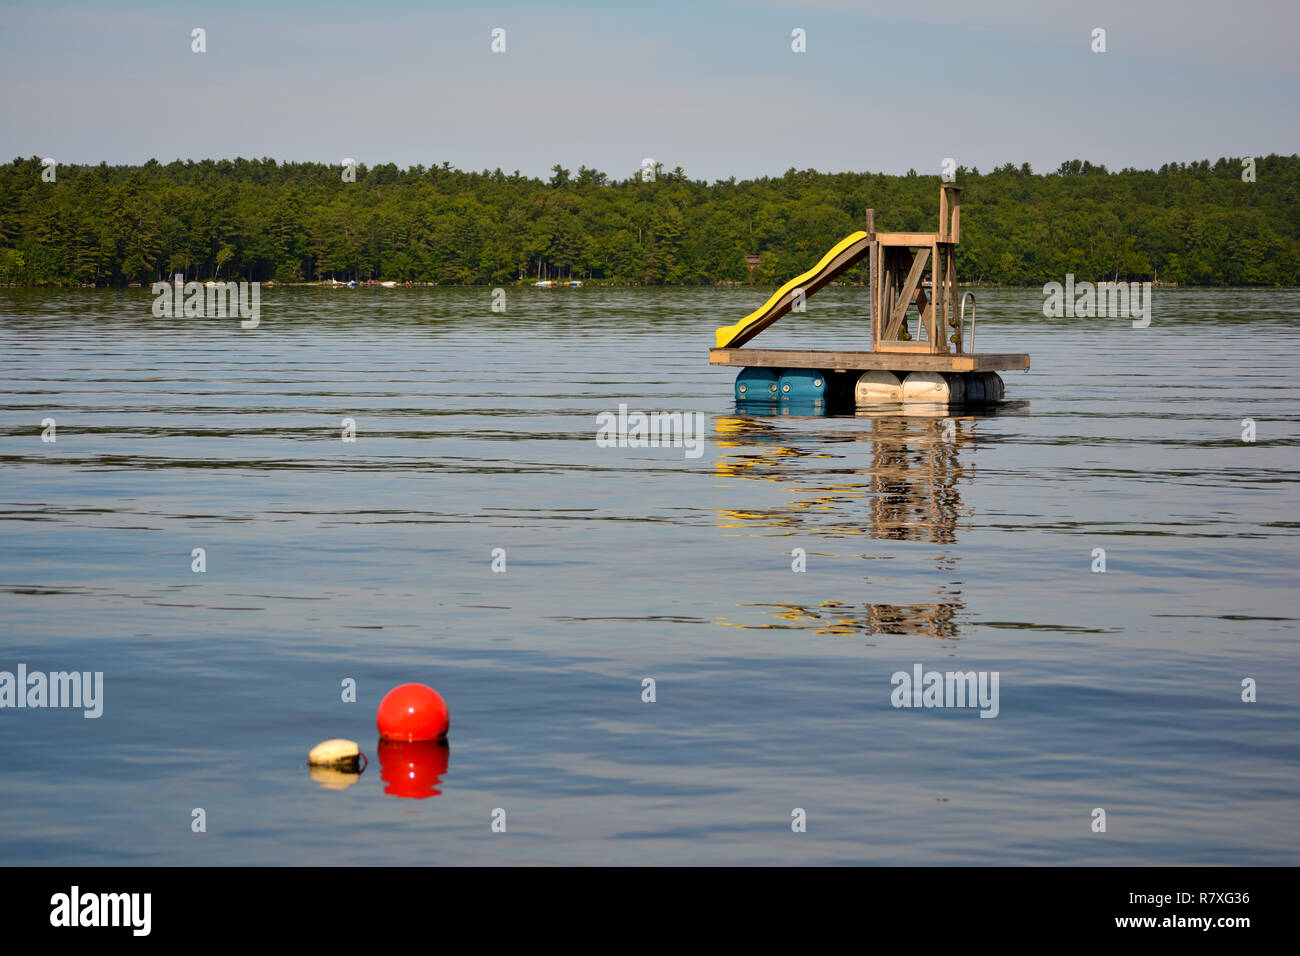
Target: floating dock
(938,363)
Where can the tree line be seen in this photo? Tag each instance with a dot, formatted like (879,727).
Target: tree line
(1187,223)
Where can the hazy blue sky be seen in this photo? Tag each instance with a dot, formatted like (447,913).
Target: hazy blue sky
(711,86)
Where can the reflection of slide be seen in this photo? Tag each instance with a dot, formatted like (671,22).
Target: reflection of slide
(842,255)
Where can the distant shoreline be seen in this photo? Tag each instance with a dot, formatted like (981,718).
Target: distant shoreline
(1197,224)
(600,283)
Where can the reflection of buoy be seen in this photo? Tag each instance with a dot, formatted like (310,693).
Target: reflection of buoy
(413,768)
(332,778)
(412,712)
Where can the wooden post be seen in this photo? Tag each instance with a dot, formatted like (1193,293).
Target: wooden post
(888,264)
(950,326)
(938,338)
(872,266)
(950,213)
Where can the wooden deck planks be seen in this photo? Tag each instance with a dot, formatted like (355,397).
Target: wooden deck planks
(893,361)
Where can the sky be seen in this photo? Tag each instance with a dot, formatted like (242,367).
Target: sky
(713,87)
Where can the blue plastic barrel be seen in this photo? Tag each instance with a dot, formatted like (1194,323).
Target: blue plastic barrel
(801,384)
(756,385)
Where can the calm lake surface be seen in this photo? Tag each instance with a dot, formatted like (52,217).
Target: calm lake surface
(372,560)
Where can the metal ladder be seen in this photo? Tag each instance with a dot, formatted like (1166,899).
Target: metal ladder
(961,323)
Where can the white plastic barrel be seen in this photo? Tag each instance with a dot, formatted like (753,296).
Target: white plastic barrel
(876,387)
(926,387)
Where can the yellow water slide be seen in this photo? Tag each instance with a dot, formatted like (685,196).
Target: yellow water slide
(843,254)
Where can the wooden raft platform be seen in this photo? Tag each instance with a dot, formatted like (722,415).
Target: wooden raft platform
(891,361)
(937,340)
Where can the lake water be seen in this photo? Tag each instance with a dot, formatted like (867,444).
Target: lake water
(963,547)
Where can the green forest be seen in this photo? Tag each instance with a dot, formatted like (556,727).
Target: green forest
(1186,223)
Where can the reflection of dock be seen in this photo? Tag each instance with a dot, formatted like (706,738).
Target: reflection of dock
(914,475)
(830,617)
(926,620)
(911,486)
(909,491)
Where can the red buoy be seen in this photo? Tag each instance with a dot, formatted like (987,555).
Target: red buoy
(412,712)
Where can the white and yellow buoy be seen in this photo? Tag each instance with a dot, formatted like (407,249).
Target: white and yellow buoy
(336,764)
